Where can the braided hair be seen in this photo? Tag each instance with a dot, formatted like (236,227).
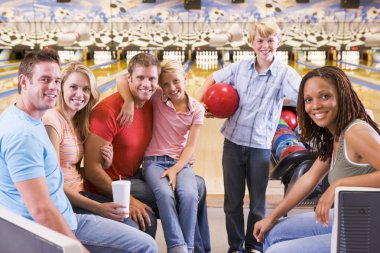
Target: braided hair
(349,108)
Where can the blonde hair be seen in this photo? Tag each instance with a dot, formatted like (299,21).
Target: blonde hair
(81,118)
(264,28)
(170,66)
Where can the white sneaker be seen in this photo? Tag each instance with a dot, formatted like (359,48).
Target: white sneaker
(254,251)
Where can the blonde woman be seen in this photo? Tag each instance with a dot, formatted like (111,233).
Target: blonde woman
(68,126)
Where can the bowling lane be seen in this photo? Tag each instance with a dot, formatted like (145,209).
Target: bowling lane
(370,99)
(370,74)
(362,71)
(103,75)
(196,77)
(375,65)
(107,71)
(9,70)
(7,64)
(7,84)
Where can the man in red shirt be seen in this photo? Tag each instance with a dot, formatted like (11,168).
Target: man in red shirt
(129,144)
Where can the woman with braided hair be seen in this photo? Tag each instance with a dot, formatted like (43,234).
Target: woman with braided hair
(346,140)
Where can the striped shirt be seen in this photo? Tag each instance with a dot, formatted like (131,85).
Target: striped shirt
(70,148)
(261,97)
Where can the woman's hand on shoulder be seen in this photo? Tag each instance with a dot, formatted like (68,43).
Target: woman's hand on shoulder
(107,155)
(126,114)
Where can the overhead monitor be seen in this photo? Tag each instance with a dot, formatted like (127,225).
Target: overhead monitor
(192,4)
(349,4)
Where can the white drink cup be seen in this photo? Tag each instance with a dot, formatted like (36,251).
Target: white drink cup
(121,194)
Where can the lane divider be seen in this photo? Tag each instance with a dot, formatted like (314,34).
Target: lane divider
(103,64)
(109,82)
(9,65)
(360,66)
(11,75)
(107,86)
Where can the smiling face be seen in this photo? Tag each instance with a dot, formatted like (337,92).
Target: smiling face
(76,92)
(173,85)
(143,83)
(321,102)
(40,91)
(265,47)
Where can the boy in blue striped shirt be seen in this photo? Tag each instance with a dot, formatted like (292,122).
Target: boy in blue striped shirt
(262,83)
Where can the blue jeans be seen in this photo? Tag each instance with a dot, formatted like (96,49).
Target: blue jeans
(102,199)
(240,165)
(299,234)
(141,191)
(178,227)
(103,235)
(202,242)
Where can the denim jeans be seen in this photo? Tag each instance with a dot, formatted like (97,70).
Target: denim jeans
(299,234)
(202,242)
(103,235)
(178,227)
(240,165)
(141,191)
(102,199)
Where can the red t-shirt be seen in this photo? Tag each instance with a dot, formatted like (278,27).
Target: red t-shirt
(129,143)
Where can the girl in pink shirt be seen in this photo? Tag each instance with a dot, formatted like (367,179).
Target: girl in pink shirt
(167,169)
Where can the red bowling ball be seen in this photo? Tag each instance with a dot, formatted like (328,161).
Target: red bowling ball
(290,118)
(222,100)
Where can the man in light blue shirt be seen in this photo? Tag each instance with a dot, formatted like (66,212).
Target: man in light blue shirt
(262,83)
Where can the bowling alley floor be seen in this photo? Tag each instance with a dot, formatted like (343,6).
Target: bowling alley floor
(219,242)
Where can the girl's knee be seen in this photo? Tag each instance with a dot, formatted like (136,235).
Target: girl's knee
(189,197)
(165,195)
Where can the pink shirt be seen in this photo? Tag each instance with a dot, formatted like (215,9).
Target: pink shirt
(70,148)
(171,128)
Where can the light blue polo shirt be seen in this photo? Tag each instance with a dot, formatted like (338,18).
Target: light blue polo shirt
(261,97)
(26,152)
